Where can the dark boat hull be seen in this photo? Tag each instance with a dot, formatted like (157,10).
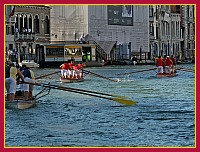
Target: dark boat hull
(71,80)
(166,75)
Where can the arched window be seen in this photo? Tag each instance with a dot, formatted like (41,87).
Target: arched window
(16,23)
(25,22)
(36,24)
(30,24)
(46,26)
(21,23)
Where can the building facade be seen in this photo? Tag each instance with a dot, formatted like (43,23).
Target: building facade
(117,31)
(26,27)
(172,30)
(188,27)
(107,25)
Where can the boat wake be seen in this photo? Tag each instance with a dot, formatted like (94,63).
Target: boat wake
(125,80)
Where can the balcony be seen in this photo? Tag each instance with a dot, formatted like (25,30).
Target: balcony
(24,37)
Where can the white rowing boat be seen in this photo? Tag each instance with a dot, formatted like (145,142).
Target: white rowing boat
(30,64)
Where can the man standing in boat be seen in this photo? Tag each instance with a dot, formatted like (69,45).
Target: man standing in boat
(81,66)
(164,59)
(71,69)
(11,76)
(173,59)
(28,88)
(159,64)
(168,64)
(64,70)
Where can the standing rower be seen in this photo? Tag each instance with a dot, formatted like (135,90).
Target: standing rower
(168,64)
(28,88)
(173,59)
(159,64)
(164,64)
(11,76)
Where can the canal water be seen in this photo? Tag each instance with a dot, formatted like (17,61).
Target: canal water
(164,114)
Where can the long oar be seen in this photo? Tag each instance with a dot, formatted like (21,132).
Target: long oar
(88,91)
(183,69)
(120,100)
(42,76)
(92,73)
(136,71)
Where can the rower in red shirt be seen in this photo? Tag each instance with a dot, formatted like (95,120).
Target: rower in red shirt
(164,59)
(159,64)
(62,69)
(81,65)
(168,64)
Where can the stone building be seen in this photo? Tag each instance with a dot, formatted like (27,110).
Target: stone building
(165,32)
(26,27)
(172,30)
(118,29)
(188,28)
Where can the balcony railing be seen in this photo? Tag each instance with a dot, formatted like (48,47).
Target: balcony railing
(24,37)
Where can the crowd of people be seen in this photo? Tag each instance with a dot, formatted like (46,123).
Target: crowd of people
(166,64)
(15,75)
(72,71)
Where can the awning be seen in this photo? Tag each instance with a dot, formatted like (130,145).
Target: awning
(107,45)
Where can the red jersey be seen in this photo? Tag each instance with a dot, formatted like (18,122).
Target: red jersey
(168,62)
(164,60)
(80,66)
(66,66)
(72,64)
(159,62)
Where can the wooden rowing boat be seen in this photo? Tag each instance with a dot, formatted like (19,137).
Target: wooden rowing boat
(71,80)
(166,75)
(30,63)
(20,104)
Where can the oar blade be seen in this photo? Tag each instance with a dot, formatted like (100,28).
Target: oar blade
(125,102)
